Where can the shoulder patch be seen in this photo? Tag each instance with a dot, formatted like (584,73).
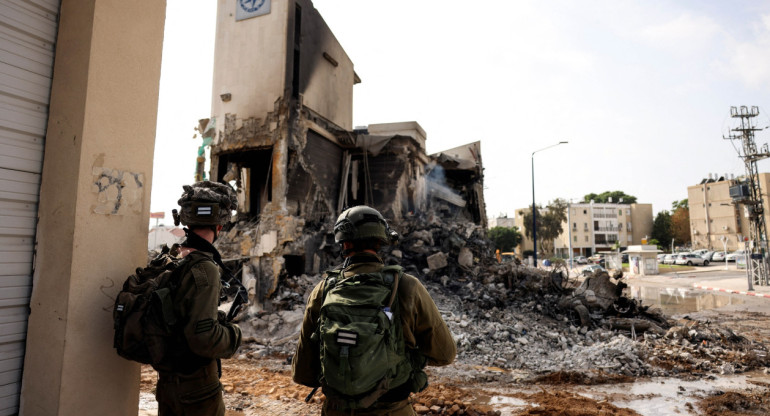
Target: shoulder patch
(200,276)
(204,325)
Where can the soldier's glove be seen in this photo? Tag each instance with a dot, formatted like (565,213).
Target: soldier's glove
(222,317)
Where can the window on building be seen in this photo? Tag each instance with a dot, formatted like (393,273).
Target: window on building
(620,212)
(574,238)
(586,239)
(585,212)
(629,238)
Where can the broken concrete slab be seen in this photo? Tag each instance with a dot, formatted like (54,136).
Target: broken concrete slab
(437,261)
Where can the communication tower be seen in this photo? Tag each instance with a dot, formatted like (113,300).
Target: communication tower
(749,193)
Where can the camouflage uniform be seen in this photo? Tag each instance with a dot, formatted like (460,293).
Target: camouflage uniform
(424,330)
(189,384)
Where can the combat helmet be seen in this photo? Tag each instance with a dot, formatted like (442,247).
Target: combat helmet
(363,223)
(206,203)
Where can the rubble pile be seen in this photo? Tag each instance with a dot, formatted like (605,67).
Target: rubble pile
(437,249)
(515,317)
(694,347)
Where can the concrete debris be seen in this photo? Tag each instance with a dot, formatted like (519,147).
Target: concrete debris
(519,318)
(436,261)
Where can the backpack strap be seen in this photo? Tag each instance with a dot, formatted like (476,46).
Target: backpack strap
(397,272)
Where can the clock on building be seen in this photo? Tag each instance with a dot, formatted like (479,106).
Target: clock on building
(251,8)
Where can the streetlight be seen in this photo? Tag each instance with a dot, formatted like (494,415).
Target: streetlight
(534,209)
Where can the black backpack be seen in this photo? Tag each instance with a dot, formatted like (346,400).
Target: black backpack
(144,319)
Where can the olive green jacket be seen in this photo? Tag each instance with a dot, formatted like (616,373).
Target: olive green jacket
(196,303)
(424,329)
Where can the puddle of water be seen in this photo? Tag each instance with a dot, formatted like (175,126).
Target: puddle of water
(668,396)
(675,301)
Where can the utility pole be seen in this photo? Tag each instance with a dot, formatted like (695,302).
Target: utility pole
(749,193)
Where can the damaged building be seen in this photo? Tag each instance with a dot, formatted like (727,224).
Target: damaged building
(281,133)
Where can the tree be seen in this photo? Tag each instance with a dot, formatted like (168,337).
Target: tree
(605,197)
(680,225)
(680,204)
(504,238)
(548,224)
(661,228)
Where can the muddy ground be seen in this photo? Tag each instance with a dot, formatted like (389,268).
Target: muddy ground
(667,375)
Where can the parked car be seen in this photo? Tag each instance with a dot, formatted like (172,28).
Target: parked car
(669,259)
(700,252)
(581,260)
(660,257)
(735,255)
(691,259)
(708,255)
(718,256)
(597,259)
(591,269)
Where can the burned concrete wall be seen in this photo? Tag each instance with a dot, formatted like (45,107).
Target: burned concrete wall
(282,114)
(455,181)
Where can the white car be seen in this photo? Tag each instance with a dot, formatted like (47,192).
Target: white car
(581,260)
(736,255)
(691,259)
(718,256)
(669,259)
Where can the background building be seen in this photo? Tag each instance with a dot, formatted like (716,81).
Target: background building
(502,222)
(596,227)
(715,219)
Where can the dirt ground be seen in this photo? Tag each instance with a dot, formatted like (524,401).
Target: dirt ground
(256,387)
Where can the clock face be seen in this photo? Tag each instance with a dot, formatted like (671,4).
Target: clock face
(250,6)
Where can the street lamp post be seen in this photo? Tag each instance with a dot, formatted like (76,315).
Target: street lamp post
(724,243)
(534,208)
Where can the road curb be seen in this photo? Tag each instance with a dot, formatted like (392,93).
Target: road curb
(737,292)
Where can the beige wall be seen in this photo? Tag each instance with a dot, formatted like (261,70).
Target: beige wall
(253,61)
(101,128)
(713,214)
(250,61)
(641,223)
(326,89)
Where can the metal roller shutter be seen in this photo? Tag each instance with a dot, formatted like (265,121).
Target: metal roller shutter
(27,37)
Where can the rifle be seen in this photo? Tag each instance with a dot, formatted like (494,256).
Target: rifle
(241,299)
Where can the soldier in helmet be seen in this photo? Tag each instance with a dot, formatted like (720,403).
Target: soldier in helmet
(188,382)
(362,231)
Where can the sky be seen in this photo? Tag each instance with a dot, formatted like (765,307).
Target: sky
(640,90)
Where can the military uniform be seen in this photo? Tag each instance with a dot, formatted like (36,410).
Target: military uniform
(188,384)
(424,331)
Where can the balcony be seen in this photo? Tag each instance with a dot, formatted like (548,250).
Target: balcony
(607,229)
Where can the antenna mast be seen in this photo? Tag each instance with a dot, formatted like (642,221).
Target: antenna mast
(750,193)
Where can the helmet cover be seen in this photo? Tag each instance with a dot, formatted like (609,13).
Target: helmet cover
(207,203)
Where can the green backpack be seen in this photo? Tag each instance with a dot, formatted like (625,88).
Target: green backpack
(143,316)
(361,340)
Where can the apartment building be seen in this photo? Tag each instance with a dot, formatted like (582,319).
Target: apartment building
(502,222)
(595,227)
(716,222)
